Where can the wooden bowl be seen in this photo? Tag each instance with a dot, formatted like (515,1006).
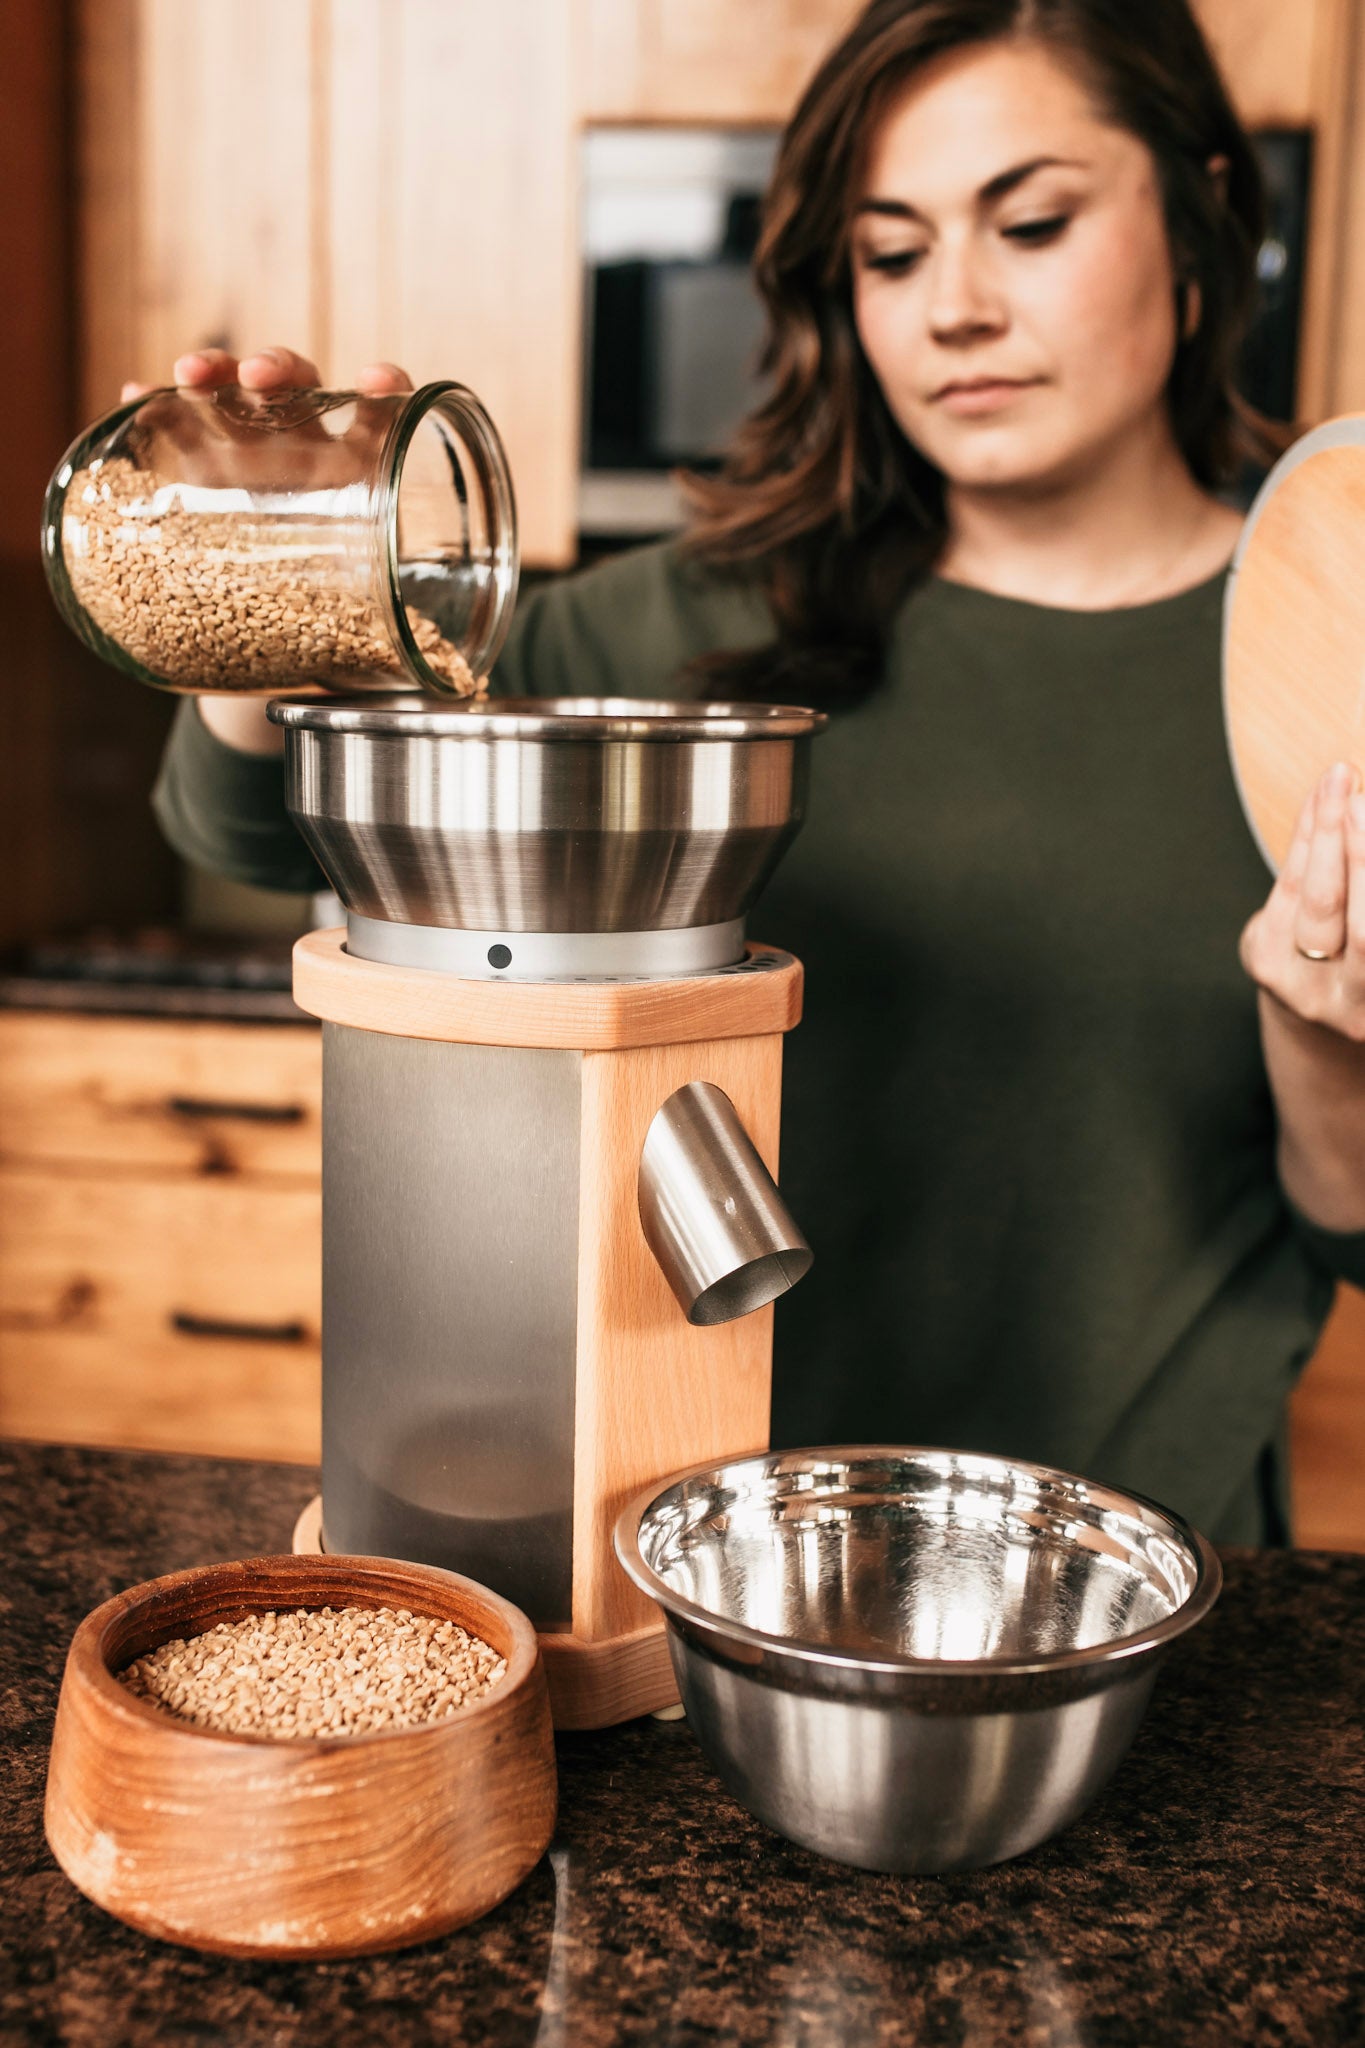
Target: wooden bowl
(329,1846)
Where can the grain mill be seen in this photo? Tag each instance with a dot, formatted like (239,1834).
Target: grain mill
(551,1065)
(551,1078)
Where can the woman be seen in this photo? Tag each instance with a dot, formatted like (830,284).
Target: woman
(1077,1177)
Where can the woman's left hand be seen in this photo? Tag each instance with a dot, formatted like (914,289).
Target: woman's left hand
(1305,950)
(1306,946)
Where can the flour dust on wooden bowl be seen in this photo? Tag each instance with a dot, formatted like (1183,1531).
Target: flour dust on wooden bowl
(220,1777)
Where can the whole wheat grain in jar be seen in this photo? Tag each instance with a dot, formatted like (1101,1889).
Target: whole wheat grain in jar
(285,542)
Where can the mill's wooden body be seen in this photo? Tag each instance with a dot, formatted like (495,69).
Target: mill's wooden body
(644,1392)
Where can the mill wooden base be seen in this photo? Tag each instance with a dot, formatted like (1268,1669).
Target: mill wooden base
(592,1685)
(595,1685)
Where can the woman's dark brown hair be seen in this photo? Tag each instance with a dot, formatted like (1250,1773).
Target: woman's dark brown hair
(822,500)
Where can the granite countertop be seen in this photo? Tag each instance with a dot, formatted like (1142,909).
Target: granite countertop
(1214,1895)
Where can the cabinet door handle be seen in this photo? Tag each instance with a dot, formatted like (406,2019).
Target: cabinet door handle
(255,1333)
(246,1112)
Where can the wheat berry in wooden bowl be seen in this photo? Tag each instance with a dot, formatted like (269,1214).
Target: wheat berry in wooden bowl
(326,1813)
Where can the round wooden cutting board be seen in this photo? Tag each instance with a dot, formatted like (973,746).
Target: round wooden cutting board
(1294,631)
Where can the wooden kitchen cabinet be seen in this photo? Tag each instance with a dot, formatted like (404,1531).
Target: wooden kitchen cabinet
(1345,250)
(1295,66)
(161,1233)
(1278,59)
(361,179)
(450,222)
(682,60)
(162,1097)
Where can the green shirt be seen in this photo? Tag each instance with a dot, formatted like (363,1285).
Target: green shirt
(1026,1122)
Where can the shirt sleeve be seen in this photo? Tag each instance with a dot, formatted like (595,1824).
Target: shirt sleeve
(627,627)
(224,810)
(1338,1252)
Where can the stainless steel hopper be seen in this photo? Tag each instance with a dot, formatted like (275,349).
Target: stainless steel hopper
(565,836)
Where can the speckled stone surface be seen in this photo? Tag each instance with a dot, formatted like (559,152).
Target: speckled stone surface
(1215,1894)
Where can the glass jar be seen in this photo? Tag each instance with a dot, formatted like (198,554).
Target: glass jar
(286,542)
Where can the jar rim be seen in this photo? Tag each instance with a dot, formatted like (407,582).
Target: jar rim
(469,419)
(482,458)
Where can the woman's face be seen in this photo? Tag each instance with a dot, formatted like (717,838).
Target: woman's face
(1012,278)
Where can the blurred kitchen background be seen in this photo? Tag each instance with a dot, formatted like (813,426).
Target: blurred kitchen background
(555,202)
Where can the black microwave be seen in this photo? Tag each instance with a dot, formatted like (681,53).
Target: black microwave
(674,327)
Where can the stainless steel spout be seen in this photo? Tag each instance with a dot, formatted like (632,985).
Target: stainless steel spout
(711,1212)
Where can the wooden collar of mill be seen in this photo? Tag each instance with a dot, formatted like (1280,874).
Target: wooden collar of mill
(589,1016)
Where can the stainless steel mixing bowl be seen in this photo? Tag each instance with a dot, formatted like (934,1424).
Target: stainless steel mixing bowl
(913,1660)
(571,814)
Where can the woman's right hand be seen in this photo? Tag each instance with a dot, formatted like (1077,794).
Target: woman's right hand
(270,369)
(241,722)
